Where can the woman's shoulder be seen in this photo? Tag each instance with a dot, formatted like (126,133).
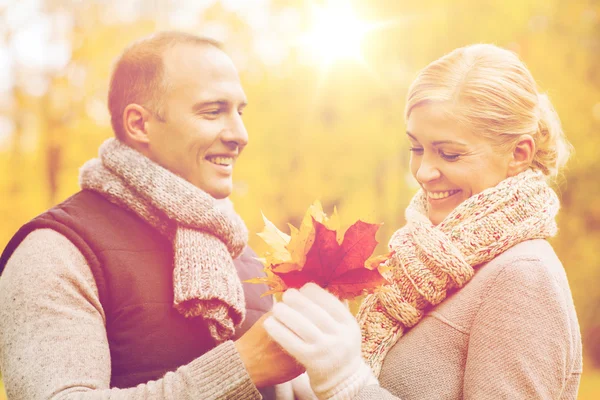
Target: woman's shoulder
(532,261)
(534,250)
(528,273)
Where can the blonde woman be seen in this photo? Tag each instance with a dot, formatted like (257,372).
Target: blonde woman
(479,306)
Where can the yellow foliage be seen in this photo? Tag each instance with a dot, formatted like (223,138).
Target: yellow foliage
(288,252)
(335,135)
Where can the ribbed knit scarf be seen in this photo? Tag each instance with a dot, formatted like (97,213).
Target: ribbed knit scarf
(205,236)
(430,260)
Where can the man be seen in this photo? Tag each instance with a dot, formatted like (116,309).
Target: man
(129,288)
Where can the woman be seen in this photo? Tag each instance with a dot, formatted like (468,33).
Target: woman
(485,298)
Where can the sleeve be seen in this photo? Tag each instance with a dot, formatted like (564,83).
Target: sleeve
(300,390)
(53,342)
(520,342)
(284,391)
(375,392)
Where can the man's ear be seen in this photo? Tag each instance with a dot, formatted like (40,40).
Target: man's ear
(135,118)
(522,155)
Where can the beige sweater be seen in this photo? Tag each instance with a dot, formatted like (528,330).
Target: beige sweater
(510,333)
(53,341)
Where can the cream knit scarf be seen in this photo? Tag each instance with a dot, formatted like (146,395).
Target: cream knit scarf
(205,237)
(430,260)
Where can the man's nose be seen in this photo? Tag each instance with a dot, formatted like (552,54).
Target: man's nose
(236,131)
(427,171)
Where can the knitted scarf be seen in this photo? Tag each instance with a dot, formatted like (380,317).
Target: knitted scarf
(430,260)
(205,237)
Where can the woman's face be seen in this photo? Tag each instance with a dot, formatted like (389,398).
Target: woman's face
(450,163)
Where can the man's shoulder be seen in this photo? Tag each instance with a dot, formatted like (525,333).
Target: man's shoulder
(44,255)
(85,219)
(84,204)
(69,218)
(46,241)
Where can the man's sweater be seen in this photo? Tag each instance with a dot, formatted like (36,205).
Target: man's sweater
(48,297)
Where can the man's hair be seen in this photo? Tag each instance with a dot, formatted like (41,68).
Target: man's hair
(138,75)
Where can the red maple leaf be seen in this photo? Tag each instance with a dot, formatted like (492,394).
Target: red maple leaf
(341,269)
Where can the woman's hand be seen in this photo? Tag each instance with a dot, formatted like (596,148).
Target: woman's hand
(320,332)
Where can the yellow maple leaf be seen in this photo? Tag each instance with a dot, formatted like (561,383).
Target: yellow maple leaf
(275,283)
(278,242)
(379,262)
(333,223)
(302,239)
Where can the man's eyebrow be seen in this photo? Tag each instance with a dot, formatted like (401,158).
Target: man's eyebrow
(221,103)
(438,142)
(203,104)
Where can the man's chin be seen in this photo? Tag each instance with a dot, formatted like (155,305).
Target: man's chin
(219,193)
(220,189)
(220,196)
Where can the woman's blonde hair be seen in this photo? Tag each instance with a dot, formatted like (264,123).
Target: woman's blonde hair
(491,91)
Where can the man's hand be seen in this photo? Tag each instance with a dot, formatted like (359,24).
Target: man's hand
(267,363)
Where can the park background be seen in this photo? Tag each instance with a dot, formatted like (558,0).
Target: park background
(326,83)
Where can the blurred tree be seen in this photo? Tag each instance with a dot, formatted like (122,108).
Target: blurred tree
(336,135)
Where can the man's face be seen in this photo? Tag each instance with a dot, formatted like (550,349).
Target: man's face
(202,132)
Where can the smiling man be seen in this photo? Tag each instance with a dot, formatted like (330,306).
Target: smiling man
(194,125)
(131,288)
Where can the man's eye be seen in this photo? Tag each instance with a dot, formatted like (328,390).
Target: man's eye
(416,150)
(214,112)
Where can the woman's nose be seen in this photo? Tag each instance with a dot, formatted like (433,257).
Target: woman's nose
(427,171)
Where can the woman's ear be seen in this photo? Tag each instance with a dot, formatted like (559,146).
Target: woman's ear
(522,155)
(135,118)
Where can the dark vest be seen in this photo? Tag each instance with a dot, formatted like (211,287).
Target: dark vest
(133,266)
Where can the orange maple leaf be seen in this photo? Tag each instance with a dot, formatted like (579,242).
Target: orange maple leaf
(288,252)
(344,269)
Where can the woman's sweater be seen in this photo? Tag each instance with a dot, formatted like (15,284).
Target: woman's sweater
(510,333)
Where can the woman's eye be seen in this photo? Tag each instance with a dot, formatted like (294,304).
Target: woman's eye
(416,150)
(449,157)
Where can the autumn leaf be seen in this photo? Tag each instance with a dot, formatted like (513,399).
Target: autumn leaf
(341,268)
(376,262)
(274,282)
(288,252)
(317,252)
(302,239)
(278,241)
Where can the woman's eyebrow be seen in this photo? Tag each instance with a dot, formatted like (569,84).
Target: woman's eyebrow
(438,142)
